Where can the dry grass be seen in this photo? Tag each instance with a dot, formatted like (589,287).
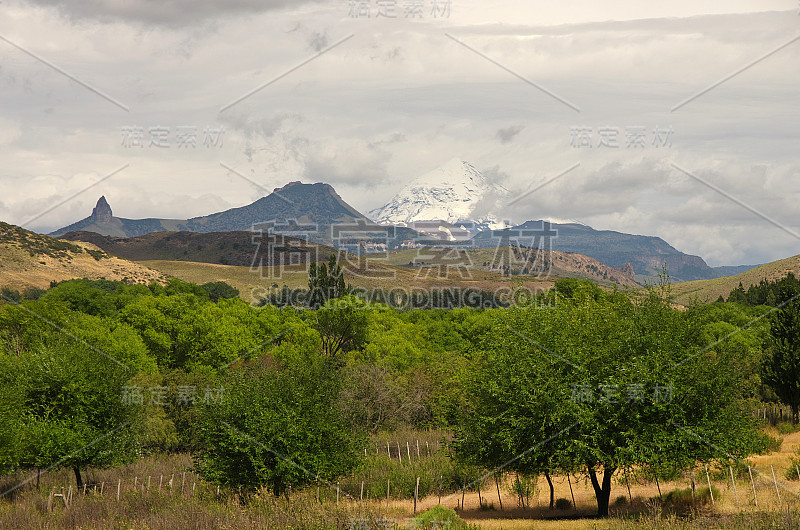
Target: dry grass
(18,269)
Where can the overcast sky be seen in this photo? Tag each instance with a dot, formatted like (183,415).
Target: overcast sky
(367,104)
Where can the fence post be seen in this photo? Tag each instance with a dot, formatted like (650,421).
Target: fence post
(710,491)
(337,493)
(362,491)
(499,498)
(733,480)
(416,495)
(387,493)
(659,489)
(399,454)
(755,497)
(797,468)
(417,448)
(50,500)
(408,451)
(119,485)
(778,491)
(573,495)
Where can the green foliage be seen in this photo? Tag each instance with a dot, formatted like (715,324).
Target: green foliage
(794,464)
(326,282)
(570,287)
(7,294)
(276,428)
(621,500)
(552,391)
(787,427)
(781,371)
(69,408)
(441,517)
(342,325)
(95,297)
(771,293)
(684,498)
(220,290)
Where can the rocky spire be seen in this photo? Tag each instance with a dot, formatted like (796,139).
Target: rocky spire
(102,212)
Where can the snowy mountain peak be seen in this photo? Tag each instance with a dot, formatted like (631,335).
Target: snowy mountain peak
(454,192)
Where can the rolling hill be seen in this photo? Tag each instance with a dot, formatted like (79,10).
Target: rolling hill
(705,291)
(28,259)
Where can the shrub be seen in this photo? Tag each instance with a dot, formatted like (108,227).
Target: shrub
(787,427)
(441,517)
(622,499)
(563,504)
(794,464)
(773,443)
(683,497)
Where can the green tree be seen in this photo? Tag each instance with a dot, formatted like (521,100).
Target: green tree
(71,408)
(781,370)
(342,325)
(326,282)
(220,290)
(601,385)
(276,427)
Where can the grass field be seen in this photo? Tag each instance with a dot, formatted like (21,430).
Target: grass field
(258,283)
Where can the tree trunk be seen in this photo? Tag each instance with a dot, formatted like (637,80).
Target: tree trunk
(552,492)
(602,493)
(795,413)
(78,477)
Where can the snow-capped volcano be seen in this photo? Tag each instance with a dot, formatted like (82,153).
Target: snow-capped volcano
(456,193)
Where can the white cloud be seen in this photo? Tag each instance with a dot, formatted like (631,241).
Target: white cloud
(399,98)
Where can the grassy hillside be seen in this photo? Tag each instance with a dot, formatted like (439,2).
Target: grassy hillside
(705,291)
(28,260)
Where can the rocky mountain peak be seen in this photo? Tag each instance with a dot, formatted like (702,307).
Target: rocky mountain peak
(455,192)
(102,212)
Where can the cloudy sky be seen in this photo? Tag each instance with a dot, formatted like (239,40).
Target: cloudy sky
(701,98)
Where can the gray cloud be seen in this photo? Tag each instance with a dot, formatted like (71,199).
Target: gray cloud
(507,134)
(170,13)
